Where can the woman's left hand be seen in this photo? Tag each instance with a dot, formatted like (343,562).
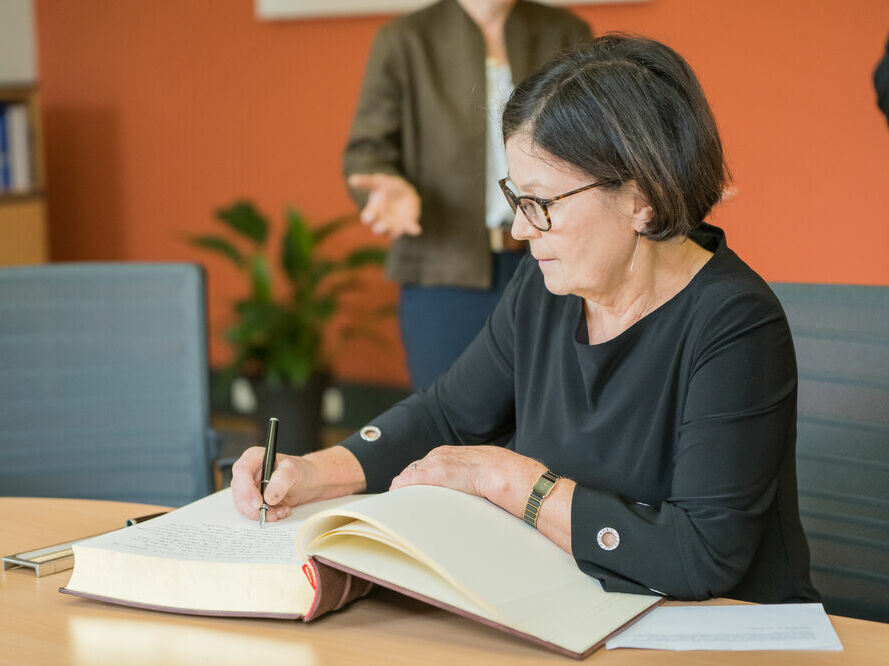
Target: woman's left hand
(486,471)
(499,475)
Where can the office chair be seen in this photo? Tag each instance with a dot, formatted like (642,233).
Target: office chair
(841,335)
(104,382)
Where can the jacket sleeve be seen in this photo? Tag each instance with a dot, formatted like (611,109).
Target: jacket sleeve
(471,403)
(737,426)
(374,144)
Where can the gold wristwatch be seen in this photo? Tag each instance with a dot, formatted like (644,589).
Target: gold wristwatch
(542,487)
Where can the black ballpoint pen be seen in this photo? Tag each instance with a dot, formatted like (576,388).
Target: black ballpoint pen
(268,464)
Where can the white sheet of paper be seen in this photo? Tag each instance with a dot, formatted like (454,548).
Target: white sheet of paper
(754,627)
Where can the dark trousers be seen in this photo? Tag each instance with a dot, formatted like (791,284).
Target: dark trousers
(437,323)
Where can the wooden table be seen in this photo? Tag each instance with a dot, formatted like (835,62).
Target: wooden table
(40,626)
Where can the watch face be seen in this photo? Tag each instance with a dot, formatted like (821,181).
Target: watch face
(541,489)
(545,484)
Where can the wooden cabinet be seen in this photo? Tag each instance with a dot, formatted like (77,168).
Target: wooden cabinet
(23,235)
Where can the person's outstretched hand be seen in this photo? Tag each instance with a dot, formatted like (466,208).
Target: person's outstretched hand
(393,207)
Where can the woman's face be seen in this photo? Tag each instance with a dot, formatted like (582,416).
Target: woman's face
(588,250)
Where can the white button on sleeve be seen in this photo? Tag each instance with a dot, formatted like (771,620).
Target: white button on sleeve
(601,541)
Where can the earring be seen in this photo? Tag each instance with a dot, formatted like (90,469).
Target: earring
(635,249)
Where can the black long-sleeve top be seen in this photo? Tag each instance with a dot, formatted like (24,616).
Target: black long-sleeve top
(680,432)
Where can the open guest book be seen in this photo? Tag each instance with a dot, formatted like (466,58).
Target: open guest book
(455,551)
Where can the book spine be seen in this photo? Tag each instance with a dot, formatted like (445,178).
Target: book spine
(333,588)
(19,152)
(5,178)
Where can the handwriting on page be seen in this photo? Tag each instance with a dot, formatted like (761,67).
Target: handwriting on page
(209,542)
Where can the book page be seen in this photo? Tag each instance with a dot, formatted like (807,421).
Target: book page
(212,530)
(490,555)
(390,564)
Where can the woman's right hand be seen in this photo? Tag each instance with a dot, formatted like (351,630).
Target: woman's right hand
(295,480)
(289,485)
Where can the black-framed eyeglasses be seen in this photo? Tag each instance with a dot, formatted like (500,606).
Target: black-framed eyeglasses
(535,209)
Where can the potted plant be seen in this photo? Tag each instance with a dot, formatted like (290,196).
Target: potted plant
(278,335)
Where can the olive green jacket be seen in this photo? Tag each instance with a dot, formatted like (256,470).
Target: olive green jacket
(421,114)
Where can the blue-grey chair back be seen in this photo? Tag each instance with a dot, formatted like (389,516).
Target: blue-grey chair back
(104,382)
(841,335)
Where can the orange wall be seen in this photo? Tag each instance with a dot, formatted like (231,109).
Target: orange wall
(158,112)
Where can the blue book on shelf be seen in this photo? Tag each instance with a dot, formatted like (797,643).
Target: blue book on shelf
(5,174)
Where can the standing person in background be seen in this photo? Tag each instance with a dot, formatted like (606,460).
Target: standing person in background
(425,152)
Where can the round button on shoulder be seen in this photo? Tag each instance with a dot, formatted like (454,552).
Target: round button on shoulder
(370,433)
(608,538)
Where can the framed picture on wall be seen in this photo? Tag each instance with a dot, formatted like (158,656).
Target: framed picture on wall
(275,10)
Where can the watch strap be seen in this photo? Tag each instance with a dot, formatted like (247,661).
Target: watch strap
(539,491)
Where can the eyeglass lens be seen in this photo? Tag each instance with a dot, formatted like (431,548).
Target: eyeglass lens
(530,208)
(533,212)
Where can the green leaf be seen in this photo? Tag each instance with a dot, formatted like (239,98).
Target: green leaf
(365,256)
(219,246)
(294,365)
(328,228)
(257,318)
(261,278)
(295,353)
(322,308)
(297,248)
(322,268)
(243,218)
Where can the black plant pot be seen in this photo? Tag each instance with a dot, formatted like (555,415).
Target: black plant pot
(298,410)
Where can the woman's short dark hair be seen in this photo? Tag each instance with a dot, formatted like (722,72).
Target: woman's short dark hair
(628,108)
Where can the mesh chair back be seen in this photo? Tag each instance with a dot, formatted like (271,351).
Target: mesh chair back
(841,335)
(103,382)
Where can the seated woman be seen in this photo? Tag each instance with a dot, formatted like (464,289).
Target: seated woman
(636,372)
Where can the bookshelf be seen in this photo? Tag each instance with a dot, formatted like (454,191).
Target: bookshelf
(23,232)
